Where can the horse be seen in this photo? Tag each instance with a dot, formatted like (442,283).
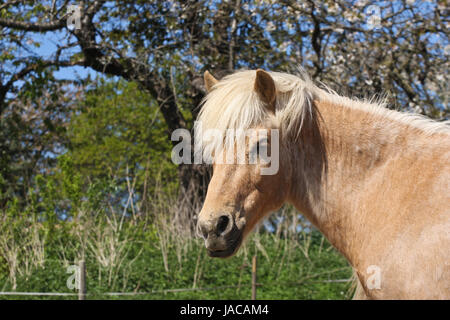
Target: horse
(373,181)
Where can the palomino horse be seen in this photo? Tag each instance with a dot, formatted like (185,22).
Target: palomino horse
(375,182)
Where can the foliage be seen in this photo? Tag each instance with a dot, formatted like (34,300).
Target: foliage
(32,133)
(118,133)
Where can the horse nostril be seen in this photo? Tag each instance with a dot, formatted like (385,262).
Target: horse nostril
(222,224)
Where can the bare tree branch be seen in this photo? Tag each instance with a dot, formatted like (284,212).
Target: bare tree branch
(38,27)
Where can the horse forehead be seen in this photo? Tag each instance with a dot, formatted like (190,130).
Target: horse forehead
(232,174)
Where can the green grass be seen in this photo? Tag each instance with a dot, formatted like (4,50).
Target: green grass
(284,272)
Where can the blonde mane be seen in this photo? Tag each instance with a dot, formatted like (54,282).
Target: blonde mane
(233,104)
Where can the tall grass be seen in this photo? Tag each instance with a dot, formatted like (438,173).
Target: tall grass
(129,246)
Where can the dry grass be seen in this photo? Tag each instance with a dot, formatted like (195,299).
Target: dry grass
(21,245)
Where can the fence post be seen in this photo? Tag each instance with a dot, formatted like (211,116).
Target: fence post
(254,277)
(82,289)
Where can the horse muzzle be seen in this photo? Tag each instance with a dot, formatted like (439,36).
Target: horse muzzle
(221,235)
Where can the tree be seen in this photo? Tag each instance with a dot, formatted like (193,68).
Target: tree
(117,134)
(398,47)
(32,133)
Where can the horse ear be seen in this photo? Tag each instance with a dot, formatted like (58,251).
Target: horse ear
(265,88)
(210,81)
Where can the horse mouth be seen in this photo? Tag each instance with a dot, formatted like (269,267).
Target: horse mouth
(232,247)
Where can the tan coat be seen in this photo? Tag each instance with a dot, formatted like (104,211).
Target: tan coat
(375,182)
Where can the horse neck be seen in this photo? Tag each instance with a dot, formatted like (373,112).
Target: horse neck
(333,162)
